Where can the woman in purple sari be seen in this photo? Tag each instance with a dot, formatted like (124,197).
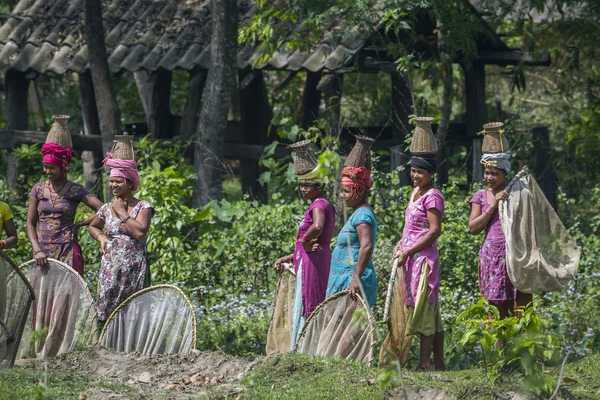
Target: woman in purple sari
(312,255)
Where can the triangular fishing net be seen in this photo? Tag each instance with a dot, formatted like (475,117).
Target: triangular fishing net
(279,336)
(16,296)
(63,313)
(157,320)
(541,256)
(340,326)
(396,345)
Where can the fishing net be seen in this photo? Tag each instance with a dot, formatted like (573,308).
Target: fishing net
(340,326)
(279,336)
(396,345)
(15,299)
(63,314)
(541,256)
(157,320)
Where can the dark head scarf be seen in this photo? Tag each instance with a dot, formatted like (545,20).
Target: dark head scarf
(425,161)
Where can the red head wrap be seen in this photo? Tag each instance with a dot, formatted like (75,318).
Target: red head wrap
(57,155)
(122,168)
(359,179)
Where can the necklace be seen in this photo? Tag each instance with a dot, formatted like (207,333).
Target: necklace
(56,192)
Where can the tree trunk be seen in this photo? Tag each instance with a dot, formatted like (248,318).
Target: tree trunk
(544,172)
(216,98)
(92,160)
(256,118)
(17,115)
(476,114)
(108,109)
(311,99)
(402,108)
(446,112)
(159,120)
(192,107)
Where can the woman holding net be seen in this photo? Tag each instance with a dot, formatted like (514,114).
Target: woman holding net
(51,226)
(126,221)
(494,282)
(312,255)
(352,264)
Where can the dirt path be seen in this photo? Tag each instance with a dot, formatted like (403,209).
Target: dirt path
(175,377)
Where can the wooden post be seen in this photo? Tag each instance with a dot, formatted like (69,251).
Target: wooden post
(17,115)
(311,99)
(332,92)
(159,120)
(256,117)
(476,114)
(402,108)
(189,120)
(92,160)
(543,170)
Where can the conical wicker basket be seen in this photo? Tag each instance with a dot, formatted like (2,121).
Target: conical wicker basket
(304,160)
(123,148)
(423,140)
(494,140)
(360,155)
(59,131)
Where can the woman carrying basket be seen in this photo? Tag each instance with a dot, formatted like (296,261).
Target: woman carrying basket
(494,282)
(312,255)
(417,251)
(51,226)
(352,264)
(126,221)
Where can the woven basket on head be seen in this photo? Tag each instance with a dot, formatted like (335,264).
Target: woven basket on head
(59,131)
(494,140)
(123,148)
(360,155)
(304,160)
(423,141)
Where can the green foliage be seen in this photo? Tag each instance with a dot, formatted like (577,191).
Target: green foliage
(510,342)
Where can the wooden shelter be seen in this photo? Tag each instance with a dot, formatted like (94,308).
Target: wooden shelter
(152,38)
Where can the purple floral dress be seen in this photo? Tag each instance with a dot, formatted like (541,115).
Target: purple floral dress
(56,217)
(124,265)
(416,226)
(494,283)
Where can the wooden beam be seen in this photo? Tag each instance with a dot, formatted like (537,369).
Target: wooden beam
(17,115)
(542,165)
(195,87)
(476,114)
(402,108)
(159,120)
(311,99)
(286,81)
(513,57)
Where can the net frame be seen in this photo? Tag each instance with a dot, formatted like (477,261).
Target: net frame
(331,299)
(19,333)
(92,313)
(115,312)
(289,269)
(396,342)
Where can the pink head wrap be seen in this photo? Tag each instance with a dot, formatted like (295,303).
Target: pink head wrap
(359,179)
(122,168)
(57,155)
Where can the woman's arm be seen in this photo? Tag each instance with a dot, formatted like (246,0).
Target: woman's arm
(138,227)
(365,232)
(93,203)
(95,229)
(434,217)
(314,231)
(11,233)
(32,221)
(479,220)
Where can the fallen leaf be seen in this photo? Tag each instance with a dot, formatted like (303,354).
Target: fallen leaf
(570,380)
(466,378)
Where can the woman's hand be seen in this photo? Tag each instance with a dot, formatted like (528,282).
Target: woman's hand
(283,260)
(103,239)
(402,257)
(501,195)
(2,244)
(119,207)
(41,259)
(354,287)
(311,245)
(75,231)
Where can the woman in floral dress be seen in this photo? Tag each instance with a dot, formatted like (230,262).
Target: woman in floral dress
(494,282)
(126,221)
(417,251)
(51,226)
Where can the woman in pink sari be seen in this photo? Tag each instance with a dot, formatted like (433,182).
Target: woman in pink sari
(51,226)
